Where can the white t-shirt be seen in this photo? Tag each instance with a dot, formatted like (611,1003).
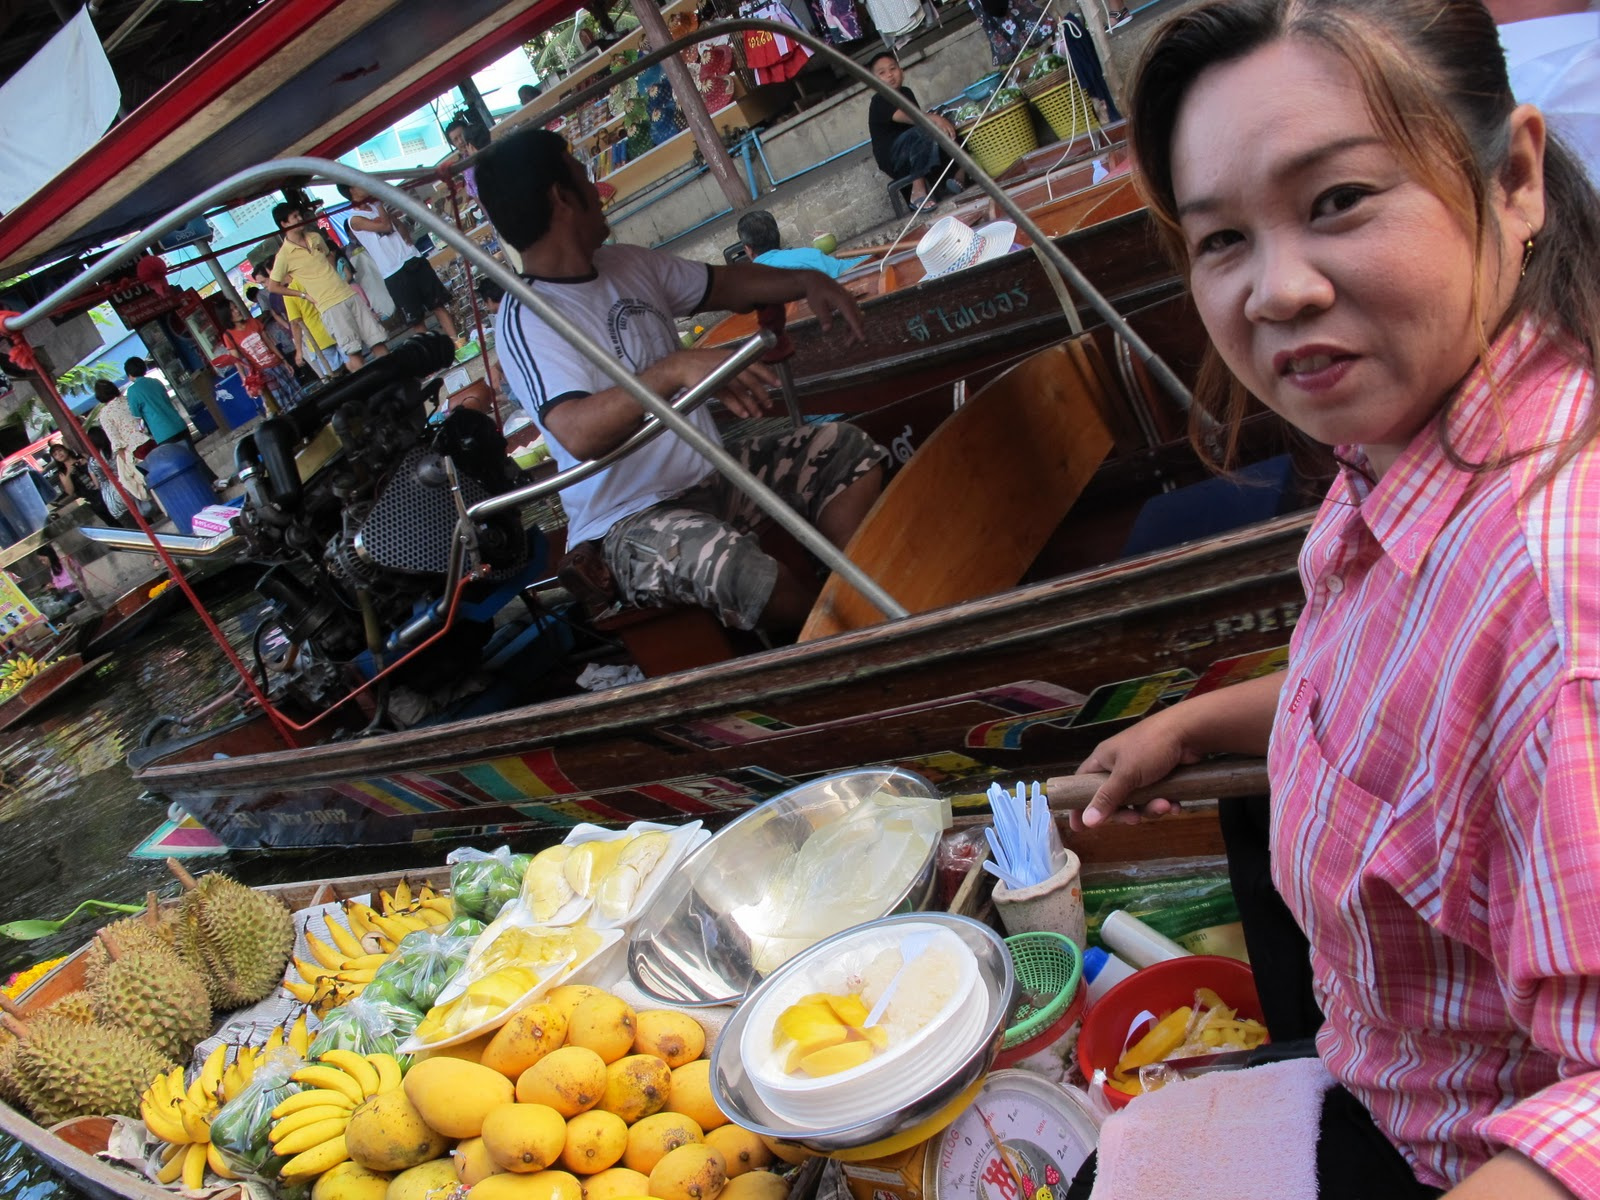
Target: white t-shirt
(628,305)
(390,251)
(1554,63)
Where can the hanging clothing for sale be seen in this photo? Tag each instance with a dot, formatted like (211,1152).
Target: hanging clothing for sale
(1072,40)
(895,18)
(773,57)
(839,20)
(1013,26)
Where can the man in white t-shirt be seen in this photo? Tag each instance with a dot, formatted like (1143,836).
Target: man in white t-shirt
(669,527)
(413,284)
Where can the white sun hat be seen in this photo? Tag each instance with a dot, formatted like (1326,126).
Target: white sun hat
(950,245)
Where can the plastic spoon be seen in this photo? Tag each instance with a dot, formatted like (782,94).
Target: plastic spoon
(910,950)
(28,930)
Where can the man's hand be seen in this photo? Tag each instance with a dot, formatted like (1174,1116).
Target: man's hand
(942,123)
(827,297)
(744,395)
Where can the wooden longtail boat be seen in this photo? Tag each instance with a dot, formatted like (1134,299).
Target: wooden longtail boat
(130,614)
(76,1150)
(46,687)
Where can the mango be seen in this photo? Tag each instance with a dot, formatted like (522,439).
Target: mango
(569,995)
(595,1141)
(473,1162)
(636,1086)
(654,1137)
(850,1009)
(350,1181)
(542,1185)
(603,1024)
(813,1025)
(454,1096)
(570,1080)
(755,1185)
(786,1151)
(834,1059)
(387,1133)
(466,1051)
(525,1138)
(674,1037)
(691,1095)
(741,1150)
(615,1184)
(694,1172)
(430,1181)
(524,1039)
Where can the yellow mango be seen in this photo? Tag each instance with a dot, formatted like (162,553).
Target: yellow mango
(1165,1037)
(523,1040)
(430,1181)
(455,1096)
(741,1150)
(834,1059)
(755,1185)
(570,1080)
(691,1095)
(694,1172)
(471,1051)
(350,1181)
(569,995)
(786,1151)
(674,1037)
(615,1184)
(473,1162)
(595,1141)
(654,1137)
(636,1086)
(387,1133)
(810,1024)
(850,1009)
(525,1138)
(542,1185)
(603,1024)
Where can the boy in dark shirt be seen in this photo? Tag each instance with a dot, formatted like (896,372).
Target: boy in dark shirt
(900,148)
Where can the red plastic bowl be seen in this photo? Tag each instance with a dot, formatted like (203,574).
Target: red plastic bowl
(1158,989)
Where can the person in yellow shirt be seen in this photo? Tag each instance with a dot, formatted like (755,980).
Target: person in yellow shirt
(312,341)
(306,257)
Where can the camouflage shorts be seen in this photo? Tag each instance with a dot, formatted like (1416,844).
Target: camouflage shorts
(697,547)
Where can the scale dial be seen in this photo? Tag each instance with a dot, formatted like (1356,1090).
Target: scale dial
(1046,1132)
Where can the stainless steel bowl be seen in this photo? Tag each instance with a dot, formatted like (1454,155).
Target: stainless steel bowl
(691,948)
(736,1095)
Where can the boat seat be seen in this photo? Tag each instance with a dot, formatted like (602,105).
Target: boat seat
(1200,510)
(735,253)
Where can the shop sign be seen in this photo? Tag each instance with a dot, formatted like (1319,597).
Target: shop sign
(16,610)
(138,303)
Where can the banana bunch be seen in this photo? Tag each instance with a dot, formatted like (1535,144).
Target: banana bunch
(17,671)
(399,913)
(308,1128)
(342,969)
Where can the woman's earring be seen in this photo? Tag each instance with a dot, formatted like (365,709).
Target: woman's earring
(1527,253)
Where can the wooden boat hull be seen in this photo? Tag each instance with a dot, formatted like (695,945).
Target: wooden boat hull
(998,686)
(45,688)
(133,612)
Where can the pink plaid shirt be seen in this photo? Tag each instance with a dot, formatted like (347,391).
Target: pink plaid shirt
(1436,777)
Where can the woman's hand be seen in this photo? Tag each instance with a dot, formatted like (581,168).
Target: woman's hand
(1135,758)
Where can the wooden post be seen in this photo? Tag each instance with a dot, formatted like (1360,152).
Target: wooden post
(693,105)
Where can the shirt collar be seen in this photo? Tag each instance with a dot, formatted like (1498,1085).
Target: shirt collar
(1488,418)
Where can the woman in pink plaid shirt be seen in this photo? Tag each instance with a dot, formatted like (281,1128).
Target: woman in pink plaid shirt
(1393,255)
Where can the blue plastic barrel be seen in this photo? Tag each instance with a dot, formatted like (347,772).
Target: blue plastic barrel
(180,481)
(234,401)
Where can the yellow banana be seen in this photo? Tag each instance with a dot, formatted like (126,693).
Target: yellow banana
(316,1160)
(214,1161)
(311,972)
(284,1126)
(303,992)
(402,894)
(365,976)
(175,1088)
(298,1141)
(388,1068)
(194,1167)
(385,904)
(432,918)
(167,1126)
(313,1098)
(357,1067)
(233,1082)
(299,1037)
(196,1095)
(440,904)
(332,1078)
(172,1161)
(360,917)
(211,1072)
(158,1093)
(322,952)
(364,962)
(426,891)
(195,1122)
(385,943)
(344,939)
(274,1040)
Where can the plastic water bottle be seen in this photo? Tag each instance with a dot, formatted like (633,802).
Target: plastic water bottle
(1136,941)
(1102,971)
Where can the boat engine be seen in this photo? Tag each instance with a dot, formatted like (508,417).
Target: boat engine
(362,547)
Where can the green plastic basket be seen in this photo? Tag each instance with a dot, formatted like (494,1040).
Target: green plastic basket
(1046,964)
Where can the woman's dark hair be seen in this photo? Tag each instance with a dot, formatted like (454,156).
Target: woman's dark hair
(105,391)
(101,442)
(758,229)
(1434,77)
(514,178)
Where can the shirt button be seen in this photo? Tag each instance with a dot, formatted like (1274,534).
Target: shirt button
(1335,585)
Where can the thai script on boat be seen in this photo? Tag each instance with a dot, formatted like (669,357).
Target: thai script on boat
(927,324)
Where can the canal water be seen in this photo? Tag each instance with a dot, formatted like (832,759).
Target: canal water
(70,812)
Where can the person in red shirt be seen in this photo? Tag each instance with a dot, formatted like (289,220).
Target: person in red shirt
(265,369)
(1393,255)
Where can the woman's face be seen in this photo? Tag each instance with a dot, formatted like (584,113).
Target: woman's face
(1335,286)
(58,452)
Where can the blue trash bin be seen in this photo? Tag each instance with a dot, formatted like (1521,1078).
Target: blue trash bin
(202,420)
(180,481)
(235,403)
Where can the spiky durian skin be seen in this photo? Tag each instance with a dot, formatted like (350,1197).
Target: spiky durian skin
(10,1086)
(74,1006)
(240,939)
(154,994)
(68,1070)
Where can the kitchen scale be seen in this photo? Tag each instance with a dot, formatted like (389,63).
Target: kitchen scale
(1023,1138)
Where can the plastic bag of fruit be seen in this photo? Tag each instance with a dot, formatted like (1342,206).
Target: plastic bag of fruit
(420,967)
(240,1129)
(481,884)
(372,1023)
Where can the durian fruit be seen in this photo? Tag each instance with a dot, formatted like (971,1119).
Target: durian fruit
(10,1087)
(68,1070)
(151,992)
(74,1006)
(240,940)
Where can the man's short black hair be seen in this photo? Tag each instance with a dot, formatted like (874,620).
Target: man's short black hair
(344,189)
(514,178)
(105,391)
(282,212)
(261,270)
(134,367)
(527,93)
(477,136)
(758,229)
(489,291)
(250,294)
(879,57)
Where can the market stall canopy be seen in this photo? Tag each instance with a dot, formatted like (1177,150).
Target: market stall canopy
(297,77)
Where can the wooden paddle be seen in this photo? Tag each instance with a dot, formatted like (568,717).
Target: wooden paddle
(1204,781)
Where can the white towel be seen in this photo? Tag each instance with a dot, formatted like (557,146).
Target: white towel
(1230,1135)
